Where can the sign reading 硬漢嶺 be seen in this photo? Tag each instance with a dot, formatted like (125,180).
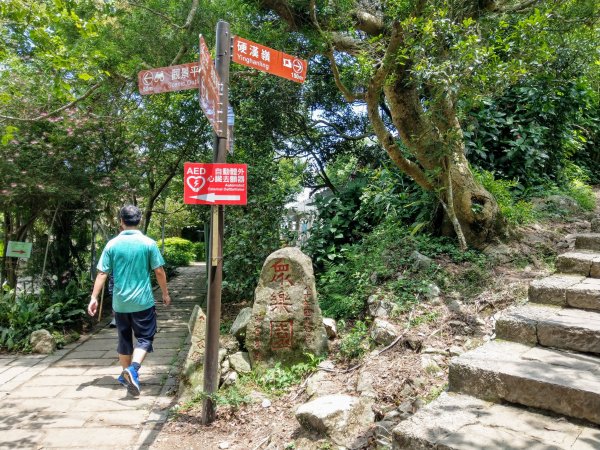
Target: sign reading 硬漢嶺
(215,184)
(16,249)
(268,60)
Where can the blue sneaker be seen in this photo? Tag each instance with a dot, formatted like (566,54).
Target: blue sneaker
(121,379)
(131,378)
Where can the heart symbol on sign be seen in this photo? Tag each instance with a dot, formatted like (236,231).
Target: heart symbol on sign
(196,183)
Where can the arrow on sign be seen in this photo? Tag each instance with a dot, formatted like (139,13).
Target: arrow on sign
(214,197)
(19,251)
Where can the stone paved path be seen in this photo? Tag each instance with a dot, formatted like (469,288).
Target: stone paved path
(71,399)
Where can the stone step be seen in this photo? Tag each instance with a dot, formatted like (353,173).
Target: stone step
(554,380)
(596,225)
(587,241)
(566,290)
(459,422)
(551,326)
(580,262)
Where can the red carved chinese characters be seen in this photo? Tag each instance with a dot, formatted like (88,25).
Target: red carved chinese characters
(281,272)
(308,311)
(281,334)
(280,302)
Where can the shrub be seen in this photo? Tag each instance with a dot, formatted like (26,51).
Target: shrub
(179,252)
(60,312)
(355,343)
(516,212)
(199,251)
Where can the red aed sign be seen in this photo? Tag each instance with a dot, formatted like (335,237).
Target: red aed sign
(214,184)
(268,60)
(168,79)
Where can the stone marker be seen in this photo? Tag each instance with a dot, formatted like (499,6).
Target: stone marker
(286,318)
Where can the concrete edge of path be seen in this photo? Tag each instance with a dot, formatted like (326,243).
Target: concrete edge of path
(159,411)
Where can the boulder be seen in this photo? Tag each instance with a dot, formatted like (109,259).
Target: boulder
(420,261)
(42,342)
(240,324)
(240,362)
(379,306)
(286,320)
(365,384)
(320,385)
(342,418)
(383,332)
(230,378)
(330,327)
(433,291)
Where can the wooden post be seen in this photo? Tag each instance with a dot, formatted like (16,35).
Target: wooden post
(215,244)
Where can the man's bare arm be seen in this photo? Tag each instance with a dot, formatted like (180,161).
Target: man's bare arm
(93,305)
(161,278)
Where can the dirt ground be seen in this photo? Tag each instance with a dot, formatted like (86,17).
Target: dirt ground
(400,381)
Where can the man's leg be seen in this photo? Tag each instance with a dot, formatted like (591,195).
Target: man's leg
(138,356)
(125,360)
(144,329)
(125,346)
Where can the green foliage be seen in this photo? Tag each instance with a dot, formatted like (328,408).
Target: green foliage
(355,343)
(516,212)
(280,378)
(383,259)
(179,252)
(199,251)
(531,131)
(573,182)
(234,396)
(57,311)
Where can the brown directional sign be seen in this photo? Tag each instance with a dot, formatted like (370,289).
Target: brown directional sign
(210,89)
(268,60)
(168,79)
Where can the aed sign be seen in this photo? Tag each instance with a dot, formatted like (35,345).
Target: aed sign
(215,184)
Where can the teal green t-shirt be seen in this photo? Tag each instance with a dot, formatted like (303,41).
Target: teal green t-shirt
(130,257)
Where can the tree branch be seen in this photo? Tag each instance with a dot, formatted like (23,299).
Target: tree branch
(341,133)
(383,135)
(350,97)
(56,111)
(368,23)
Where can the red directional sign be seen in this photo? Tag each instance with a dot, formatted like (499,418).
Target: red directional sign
(168,79)
(210,89)
(215,184)
(263,58)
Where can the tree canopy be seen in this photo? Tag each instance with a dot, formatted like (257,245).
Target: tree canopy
(436,88)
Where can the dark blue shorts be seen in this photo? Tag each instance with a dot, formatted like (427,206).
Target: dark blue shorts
(141,324)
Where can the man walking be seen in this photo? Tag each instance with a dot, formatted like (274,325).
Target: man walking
(130,257)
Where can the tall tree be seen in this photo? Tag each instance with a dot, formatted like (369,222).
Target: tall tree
(411,61)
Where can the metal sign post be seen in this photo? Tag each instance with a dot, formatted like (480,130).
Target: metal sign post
(215,277)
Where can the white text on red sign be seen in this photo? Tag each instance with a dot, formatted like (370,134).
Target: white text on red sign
(268,60)
(168,79)
(215,184)
(210,89)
